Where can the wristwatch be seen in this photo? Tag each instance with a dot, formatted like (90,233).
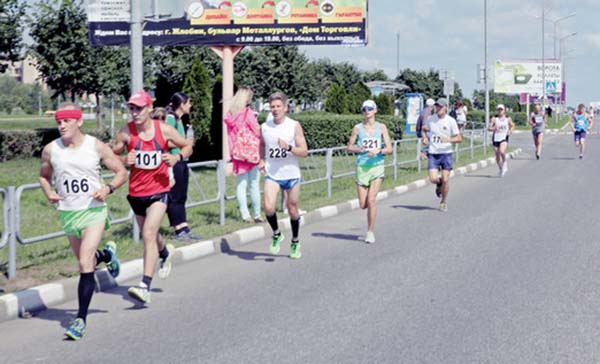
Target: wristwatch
(289,148)
(111,188)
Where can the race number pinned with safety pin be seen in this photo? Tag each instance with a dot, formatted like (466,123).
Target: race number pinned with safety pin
(370,143)
(148,159)
(436,139)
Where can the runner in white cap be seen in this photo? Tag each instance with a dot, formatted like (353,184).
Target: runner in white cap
(440,132)
(502,127)
(368,140)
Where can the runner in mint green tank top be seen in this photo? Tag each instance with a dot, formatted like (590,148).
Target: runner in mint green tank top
(370,140)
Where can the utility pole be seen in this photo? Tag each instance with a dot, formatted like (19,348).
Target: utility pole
(398,54)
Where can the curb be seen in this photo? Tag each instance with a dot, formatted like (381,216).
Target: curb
(29,301)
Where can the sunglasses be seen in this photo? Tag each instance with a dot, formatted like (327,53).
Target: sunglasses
(368,108)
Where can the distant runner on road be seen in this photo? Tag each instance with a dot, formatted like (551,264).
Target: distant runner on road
(443,132)
(502,127)
(580,123)
(538,122)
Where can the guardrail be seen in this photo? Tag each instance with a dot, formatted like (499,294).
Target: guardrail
(321,165)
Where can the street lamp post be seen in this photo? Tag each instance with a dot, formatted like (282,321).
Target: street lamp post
(485,76)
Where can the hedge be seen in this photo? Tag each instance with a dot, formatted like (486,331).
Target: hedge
(326,130)
(322,130)
(21,144)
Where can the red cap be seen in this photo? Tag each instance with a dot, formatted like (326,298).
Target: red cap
(140,98)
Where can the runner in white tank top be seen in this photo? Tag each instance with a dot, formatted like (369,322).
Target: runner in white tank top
(502,127)
(74,160)
(282,140)
(538,122)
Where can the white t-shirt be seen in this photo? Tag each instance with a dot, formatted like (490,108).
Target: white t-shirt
(439,128)
(280,164)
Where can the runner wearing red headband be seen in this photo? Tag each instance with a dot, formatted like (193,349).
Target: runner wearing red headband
(146,141)
(80,195)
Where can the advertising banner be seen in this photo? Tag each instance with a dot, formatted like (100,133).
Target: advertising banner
(245,22)
(514,77)
(414,106)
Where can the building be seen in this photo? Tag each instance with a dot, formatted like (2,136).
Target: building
(24,71)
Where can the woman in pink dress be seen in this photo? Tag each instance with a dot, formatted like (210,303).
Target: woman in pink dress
(244,141)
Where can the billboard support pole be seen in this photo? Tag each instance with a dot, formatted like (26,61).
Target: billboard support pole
(227,54)
(137,62)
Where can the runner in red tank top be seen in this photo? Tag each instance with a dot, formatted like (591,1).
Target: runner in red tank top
(146,142)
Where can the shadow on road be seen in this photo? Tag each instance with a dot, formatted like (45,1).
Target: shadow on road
(350,237)
(481,176)
(63,317)
(413,207)
(564,159)
(247,255)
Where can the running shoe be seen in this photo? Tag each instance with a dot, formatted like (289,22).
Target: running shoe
(164,265)
(438,189)
(188,236)
(500,172)
(76,329)
(276,243)
(581,156)
(370,237)
(114,266)
(295,250)
(505,167)
(537,156)
(139,293)
(443,207)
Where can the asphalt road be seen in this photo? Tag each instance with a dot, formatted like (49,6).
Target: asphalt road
(509,275)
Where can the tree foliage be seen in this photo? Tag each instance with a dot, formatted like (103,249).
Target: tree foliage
(12,13)
(336,99)
(197,85)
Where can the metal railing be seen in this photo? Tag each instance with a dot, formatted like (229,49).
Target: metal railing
(321,165)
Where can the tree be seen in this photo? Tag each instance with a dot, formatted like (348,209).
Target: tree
(385,104)
(197,86)
(376,75)
(171,64)
(61,49)
(336,100)
(11,29)
(272,68)
(358,94)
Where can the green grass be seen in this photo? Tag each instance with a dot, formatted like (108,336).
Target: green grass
(45,261)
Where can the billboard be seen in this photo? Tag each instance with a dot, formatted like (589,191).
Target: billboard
(217,22)
(414,106)
(514,77)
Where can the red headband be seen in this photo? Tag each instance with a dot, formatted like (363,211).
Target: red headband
(68,114)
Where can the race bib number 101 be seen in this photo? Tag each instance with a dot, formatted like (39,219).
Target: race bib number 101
(147,159)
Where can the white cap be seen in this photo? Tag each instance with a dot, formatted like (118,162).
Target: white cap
(369,103)
(500,106)
(429,102)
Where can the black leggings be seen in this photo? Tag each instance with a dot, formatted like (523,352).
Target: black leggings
(178,195)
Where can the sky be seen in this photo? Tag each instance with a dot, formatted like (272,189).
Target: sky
(448,35)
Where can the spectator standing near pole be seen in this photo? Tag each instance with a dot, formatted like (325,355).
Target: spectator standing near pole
(244,148)
(180,105)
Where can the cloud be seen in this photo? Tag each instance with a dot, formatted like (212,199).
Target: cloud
(593,39)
